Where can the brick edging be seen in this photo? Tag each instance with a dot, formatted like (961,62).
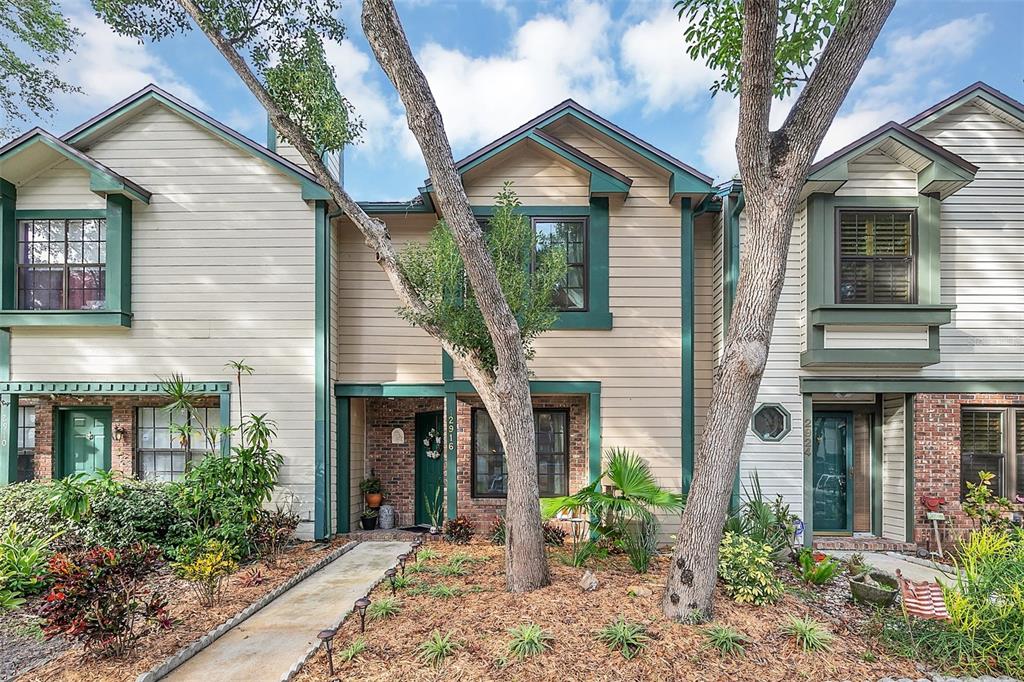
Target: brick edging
(187,652)
(294,670)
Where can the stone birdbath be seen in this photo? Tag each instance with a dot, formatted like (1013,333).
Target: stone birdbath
(876,588)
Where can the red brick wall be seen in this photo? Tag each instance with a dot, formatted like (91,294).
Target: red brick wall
(937,454)
(483,510)
(395,465)
(123,411)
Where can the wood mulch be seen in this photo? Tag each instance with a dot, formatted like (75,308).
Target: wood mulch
(192,620)
(481,616)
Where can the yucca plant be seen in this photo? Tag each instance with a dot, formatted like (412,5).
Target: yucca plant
(726,640)
(438,647)
(528,640)
(627,638)
(352,650)
(384,608)
(809,634)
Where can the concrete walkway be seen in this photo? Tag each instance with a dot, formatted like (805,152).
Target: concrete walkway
(265,647)
(911,568)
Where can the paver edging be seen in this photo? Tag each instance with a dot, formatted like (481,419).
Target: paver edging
(311,651)
(190,650)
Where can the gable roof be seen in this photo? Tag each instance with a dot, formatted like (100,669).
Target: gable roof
(939,170)
(83,135)
(995,101)
(101,178)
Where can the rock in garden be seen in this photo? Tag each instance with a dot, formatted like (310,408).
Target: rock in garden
(588,583)
(639,591)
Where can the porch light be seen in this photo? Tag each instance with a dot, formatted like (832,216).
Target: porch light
(361,605)
(119,433)
(327,638)
(390,575)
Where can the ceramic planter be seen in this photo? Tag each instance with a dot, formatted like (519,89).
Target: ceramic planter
(368,522)
(373,500)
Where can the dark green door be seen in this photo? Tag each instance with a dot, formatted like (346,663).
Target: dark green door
(86,444)
(429,463)
(832,473)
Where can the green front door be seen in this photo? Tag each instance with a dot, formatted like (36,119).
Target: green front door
(832,473)
(86,443)
(429,463)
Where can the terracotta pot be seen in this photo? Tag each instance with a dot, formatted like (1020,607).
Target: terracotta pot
(373,500)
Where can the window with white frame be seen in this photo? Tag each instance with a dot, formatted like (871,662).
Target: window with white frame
(167,443)
(992,440)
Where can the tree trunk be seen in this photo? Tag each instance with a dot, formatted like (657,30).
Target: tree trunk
(773,166)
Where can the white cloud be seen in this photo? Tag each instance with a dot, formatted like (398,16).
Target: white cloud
(718,149)
(654,53)
(109,67)
(551,57)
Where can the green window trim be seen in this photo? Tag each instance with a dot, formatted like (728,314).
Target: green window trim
(117,311)
(881,314)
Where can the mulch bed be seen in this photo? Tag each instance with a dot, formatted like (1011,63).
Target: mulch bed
(192,619)
(480,619)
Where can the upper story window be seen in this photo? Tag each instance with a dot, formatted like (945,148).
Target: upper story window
(551,427)
(62,264)
(992,440)
(569,236)
(876,259)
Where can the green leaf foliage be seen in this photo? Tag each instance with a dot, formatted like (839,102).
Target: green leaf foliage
(745,566)
(280,40)
(436,271)
(714,34)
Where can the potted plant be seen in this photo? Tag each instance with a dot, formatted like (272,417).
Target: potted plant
(372,493)
(368,519)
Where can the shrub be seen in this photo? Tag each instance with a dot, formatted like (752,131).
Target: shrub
(809,634)
(746,568)
(815,568)
(272,532)
(98,598)
(370,486)
(383,608)
(984,506)
(207,570)
(72,496)
(458,531)
(554,536)
(8,599)
(627,638)
(438,647)
(726,640)
(640,543)
(528,640)
(769,523)
(23,558)
(253,577)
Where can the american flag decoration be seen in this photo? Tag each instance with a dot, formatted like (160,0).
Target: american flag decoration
(922,599)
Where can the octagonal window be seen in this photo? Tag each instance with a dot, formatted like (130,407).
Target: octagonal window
(771,422)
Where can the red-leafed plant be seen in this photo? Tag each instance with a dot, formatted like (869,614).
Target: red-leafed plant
(99,598)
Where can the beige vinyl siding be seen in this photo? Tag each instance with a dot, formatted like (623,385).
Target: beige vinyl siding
(286,150)
(877,174)
(63,185)
(779,465)
(357,461)
(894,464)
(332,373)
(223,269)
(847,337)
(374,344)
(538,176)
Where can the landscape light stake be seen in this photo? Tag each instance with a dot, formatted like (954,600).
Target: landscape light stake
(361,605)
(402,558)
(390,575)
(327,637)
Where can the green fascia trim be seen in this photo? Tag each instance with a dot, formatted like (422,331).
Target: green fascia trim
(709,204)
(8,245)
(594,434)
(687,316)
(909,385)
(104,184)
(940,171)
(451,466)
(447,367)
(64,318)
(321,382)
(908,434)
(343,454)
(600,181)
(391,208)
(876,467)
(8,438)
(911,357)
(974,94)
(536,387)
(594,320)
(119,255)
(389,390)
(821,255)
(882,315)
(808,511)
(58,214)
(108,387)
(543,211)
(310,189)
(731,255)
(224,403)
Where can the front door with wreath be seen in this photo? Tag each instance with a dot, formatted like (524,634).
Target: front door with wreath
(429,463)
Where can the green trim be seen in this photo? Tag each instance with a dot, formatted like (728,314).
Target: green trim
(343,455)
(882,315)
(61,214)
(977,93)
(107,388)
(908,385)
(876,467)
(897,357)
(447,366)
(321,380)
(594,434)
(536,387)
(389,390)
(808,440)
(601,182)
(593,320)
(910,502)
(8,438)
(119,256)
(687,316)
(5,355)
(224,403)
(393,208)
(65,318)
(451,467)
(8,245)
(785,431)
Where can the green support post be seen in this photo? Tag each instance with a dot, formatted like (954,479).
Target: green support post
(451,431)
(687,320)
(344,464)
(8,438)
(594,435)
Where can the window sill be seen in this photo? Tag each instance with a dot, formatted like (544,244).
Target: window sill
(64,318)
(588,320)
(882,314)
(851,357)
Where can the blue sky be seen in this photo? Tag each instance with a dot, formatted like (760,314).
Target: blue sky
(494,64)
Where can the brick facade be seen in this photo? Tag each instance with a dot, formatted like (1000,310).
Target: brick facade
(937,455)
(122,425)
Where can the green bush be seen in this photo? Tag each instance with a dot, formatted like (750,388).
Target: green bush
(745,566)
(553,535)
(207,570)
(815,568)
(764,522)
(23,558)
